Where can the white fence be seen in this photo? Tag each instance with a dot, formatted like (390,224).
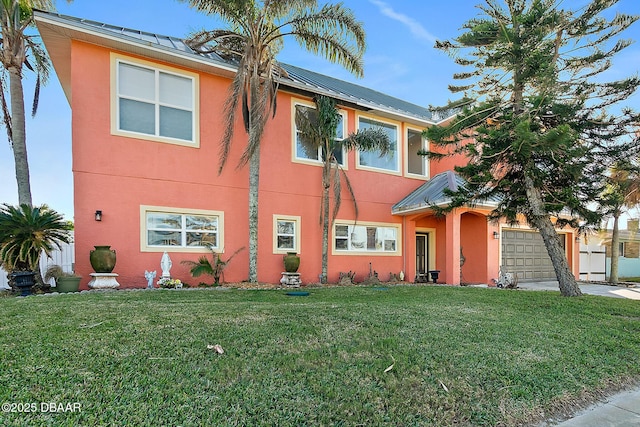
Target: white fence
(65,258)
(592,262)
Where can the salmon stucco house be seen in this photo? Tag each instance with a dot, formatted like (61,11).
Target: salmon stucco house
(147,113)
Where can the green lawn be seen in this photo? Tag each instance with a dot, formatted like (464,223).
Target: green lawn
(460,356)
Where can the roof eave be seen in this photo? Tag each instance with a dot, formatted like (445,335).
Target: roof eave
(57,34)
(444,203)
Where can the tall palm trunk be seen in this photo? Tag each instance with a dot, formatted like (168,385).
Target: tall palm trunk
(326,184)
(254,181)
(19,136)
(615,249)
(540,219)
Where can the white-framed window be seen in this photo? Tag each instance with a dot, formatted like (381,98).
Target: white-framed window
(305,151)
(372,159)
(366,238)
(180,230)
(286,234)
(155,102)
(416,164)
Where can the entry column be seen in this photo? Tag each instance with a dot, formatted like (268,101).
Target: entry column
(452,246)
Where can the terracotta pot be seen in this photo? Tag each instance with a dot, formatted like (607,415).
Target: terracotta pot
(103,259)
(291,262)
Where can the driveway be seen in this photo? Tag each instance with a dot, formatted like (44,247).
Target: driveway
(587,288)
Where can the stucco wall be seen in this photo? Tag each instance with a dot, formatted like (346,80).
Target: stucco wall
(118,174)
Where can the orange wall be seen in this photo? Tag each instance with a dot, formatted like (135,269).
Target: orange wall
(117,174)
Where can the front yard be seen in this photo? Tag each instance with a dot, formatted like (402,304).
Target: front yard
(406,355)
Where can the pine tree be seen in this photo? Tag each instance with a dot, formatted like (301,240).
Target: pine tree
(538,127)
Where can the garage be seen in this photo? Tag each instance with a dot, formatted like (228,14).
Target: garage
(524,253)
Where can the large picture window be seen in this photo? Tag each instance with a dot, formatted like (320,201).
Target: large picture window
(155,102)
(180,229)
(365,238)
(372,159)
(305,150)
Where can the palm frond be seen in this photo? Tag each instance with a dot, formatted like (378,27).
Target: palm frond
(27,231)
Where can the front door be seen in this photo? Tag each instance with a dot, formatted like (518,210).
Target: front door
(422,254)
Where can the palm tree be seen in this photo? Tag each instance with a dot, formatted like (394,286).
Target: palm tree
(26,232)
(19,50)
(622,193)
(214,269)
(255,35)
(318,129)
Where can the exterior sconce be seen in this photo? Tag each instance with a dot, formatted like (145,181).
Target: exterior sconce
(496,236)
(577,239)
(98,215)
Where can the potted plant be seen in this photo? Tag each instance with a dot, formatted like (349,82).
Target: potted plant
(65,282)
(25,233)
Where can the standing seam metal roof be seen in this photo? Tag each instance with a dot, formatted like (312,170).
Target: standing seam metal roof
(297,78)
(432,193)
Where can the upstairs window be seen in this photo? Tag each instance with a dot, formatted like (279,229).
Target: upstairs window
(416,164)
(372,159)
(304,150)
(156,103)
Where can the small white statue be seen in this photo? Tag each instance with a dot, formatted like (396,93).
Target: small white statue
(165,264)
(150,275)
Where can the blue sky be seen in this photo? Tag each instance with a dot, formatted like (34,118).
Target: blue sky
(400,61)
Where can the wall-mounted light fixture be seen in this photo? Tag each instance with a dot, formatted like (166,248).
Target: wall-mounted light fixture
(577,239)
(496,236)
(98,215)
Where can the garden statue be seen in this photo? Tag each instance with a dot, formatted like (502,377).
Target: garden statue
(165,264)
(150,275)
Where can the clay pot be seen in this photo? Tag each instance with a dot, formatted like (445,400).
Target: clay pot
(103,259)
(291,262)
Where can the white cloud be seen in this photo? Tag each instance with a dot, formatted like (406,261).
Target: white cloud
(414,26)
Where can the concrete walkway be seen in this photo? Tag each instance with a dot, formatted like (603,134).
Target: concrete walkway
(587,288)
(620,410)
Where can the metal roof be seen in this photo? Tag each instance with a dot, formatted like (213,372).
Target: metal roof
(56,26)
(432,193)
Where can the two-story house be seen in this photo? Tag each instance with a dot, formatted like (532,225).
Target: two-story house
(147,113)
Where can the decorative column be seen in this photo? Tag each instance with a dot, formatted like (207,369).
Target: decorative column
(452,246)
(494,253)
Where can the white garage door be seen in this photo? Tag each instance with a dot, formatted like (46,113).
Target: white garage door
(524,253)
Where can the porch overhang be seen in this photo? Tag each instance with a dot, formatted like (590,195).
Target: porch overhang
(432,194)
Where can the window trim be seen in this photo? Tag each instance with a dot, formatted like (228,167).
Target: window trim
(425,146)
(399,147)
(144,247)
(117,59)
(343,222)
(294,133)
(297,239)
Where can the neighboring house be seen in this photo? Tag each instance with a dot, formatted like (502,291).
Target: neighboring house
(629,252)
(147,113)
